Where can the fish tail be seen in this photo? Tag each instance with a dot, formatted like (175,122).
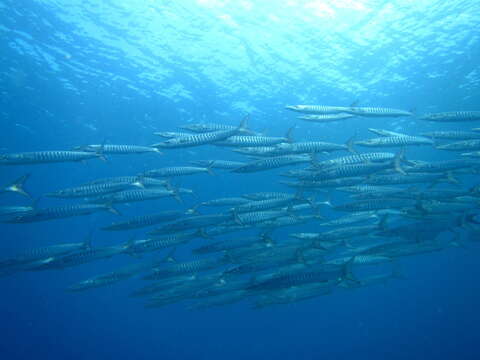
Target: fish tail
(18,186)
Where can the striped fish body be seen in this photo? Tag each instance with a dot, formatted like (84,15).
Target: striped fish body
(260,205)
(211,127)
(144,221)
(118,149)
(452,116)
(360,217)
(361,260)
(127,196)
(394,141)
(365,189)
(461,145)
(310,147)
(326,117)
(139,181)
(357,158)
(318,109)
(265,195)
(347,232)
(263,151)
(259,216)
(193,222)
(225,202)
(406,179)
(354,170)
(272,163)
(443,166)
(150,245)
(218,164)
(90,190)
(41,157)
(334,183)
(43,252)
(58,213)
(377,112)
(314,274)
(78,258)
(453,135)
(376,204)
(176,171)
(201,138)
(286,221)
(224,245)
(15,210)
(251,141)
(190,267)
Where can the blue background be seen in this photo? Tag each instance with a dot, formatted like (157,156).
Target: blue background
(81,72)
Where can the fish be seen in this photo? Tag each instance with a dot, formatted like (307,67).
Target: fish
(322,118)
(272,163)
(468,145)
(452,116)
(318,109)
(77,258)
(253,141)
(394,141)
(178,171)
(90,190)
(128,196)
(59,212)
(117,149)
(452,135)
(212,127)
(202,138)
(45,157)
(142,221)
(218,164)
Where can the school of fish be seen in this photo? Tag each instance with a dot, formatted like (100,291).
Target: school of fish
(398,206)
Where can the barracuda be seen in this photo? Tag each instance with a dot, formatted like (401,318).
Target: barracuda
(178,171)
(356,159)
(350,181)
(77,258)
(375,204)
(42,157)
(311,147)
(59,213)
(272,163)
(318,109)
(394,141)
(154,244)
(254,141)
(452,135)
(461,145)
(452,116)
(190,267)
(90,190)
(202,138)
(218,164)
(128,196)
(210,127)
(377,112)
(118,149)
(144,221)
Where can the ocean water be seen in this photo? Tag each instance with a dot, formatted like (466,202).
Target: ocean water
(90,72)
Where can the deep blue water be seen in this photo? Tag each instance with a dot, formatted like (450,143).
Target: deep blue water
(82,72)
